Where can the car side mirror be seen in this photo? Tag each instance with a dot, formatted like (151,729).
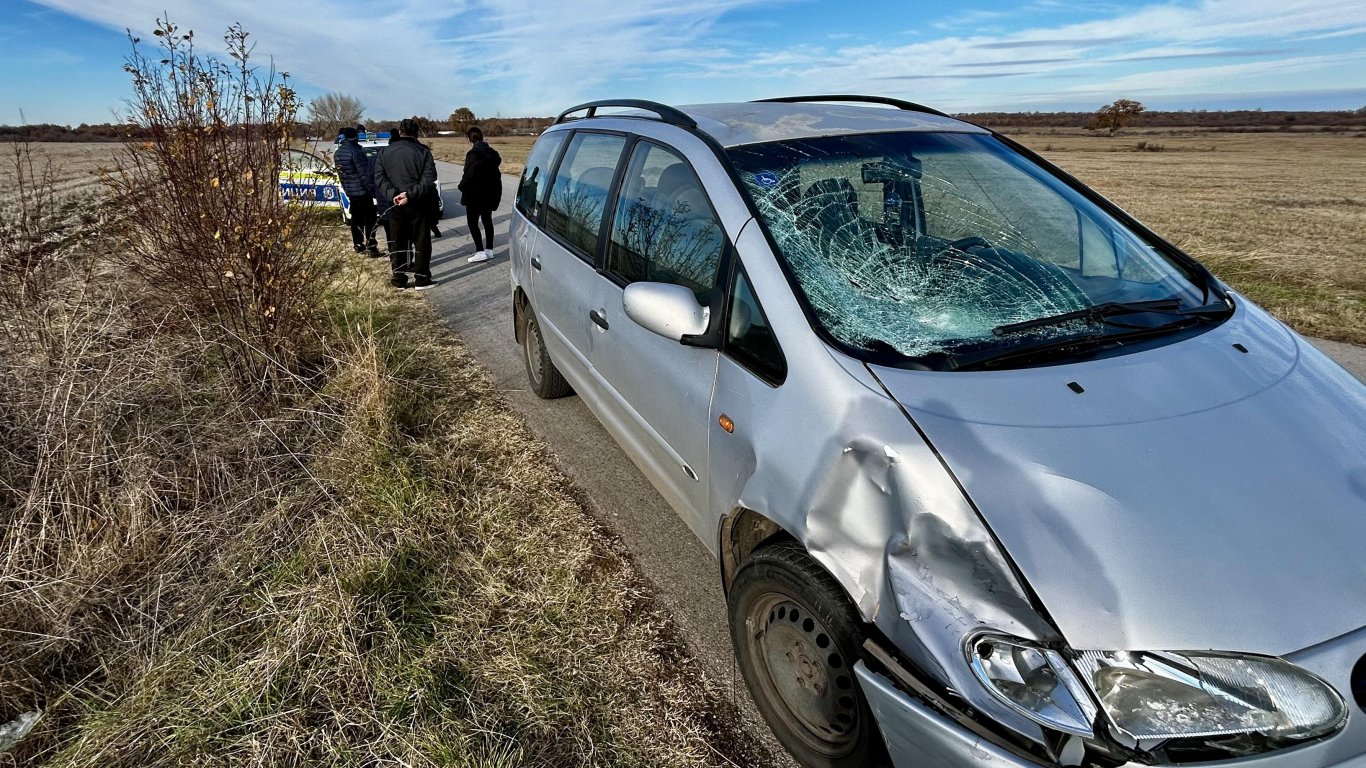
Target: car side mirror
(669,310)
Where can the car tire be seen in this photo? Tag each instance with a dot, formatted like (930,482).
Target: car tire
(797,637)
(546,380)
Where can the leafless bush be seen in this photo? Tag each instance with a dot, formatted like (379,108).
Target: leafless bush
(207,229)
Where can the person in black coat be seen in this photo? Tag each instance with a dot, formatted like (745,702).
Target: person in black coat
(481,190)
(384,204)
(357,172)
(406,174)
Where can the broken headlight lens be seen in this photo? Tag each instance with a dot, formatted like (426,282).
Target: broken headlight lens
(1155,697)
(1036,682)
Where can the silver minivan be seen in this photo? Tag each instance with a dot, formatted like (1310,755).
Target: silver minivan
(993,473)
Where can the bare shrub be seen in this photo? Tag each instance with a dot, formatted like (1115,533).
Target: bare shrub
(207,229)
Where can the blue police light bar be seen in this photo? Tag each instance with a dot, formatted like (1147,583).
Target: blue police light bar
(367,136)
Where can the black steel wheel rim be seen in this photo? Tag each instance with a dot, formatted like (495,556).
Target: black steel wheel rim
(804,674)
(533,351)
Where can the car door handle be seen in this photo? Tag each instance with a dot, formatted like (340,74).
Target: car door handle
(599,317)
(535,262)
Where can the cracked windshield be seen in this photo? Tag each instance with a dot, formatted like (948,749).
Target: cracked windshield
(922,244)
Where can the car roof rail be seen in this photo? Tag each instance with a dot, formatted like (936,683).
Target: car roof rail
(909,106)
(666,113)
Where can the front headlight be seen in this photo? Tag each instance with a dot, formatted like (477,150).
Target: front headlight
(1157,697)
(1180,706)
(1034,681)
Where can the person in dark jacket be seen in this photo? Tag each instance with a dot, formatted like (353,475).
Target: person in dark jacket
(357,172)
(384,204)
(406,175)
(481,189)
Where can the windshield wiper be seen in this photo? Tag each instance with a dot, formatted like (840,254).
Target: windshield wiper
(1101,312)
(1095,313)
(1066,344)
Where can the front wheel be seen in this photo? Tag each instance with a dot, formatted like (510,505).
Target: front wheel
(546,380)
(797,637)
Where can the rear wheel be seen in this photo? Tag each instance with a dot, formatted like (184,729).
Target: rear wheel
(545,378)
(797,638)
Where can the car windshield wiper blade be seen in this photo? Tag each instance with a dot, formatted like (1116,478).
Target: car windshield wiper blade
(1213,309)
(1098,312)
(1074,343)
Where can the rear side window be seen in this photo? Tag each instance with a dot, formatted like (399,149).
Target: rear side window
(664,229)
(578,196)
(531,192)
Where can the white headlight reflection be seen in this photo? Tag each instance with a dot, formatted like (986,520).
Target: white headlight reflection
(1154,697)
(1036,682)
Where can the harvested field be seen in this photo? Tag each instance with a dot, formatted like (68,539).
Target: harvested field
(74,164)
(1281,217)
(514,150)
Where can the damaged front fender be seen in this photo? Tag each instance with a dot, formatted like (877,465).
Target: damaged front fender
(926,570)
(874,506)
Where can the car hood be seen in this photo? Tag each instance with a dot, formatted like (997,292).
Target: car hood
(1192,496)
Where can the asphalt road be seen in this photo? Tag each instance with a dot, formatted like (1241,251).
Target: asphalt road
(475,301)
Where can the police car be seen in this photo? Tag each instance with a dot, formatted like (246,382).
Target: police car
(309,179)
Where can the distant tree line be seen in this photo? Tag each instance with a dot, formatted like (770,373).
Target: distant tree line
(493,126)
(1197,118)
(462,118)
(82,132)
(330,112)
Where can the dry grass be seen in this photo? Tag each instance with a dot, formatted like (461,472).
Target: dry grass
(377,566)
(1280,217)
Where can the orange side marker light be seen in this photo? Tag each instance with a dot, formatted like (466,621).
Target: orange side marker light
(726,423)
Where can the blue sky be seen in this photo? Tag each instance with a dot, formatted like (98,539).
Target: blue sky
(63,58)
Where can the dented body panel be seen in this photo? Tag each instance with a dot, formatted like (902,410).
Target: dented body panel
(1166,505)
(831,459)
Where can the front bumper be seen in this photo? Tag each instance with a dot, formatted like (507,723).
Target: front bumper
(919,737)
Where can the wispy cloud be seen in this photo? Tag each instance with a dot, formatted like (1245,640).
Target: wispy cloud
(1213,54)
(1212,77)
(1012,62)
(521,57)
(971,18)
(1045,42)
(1108,51)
